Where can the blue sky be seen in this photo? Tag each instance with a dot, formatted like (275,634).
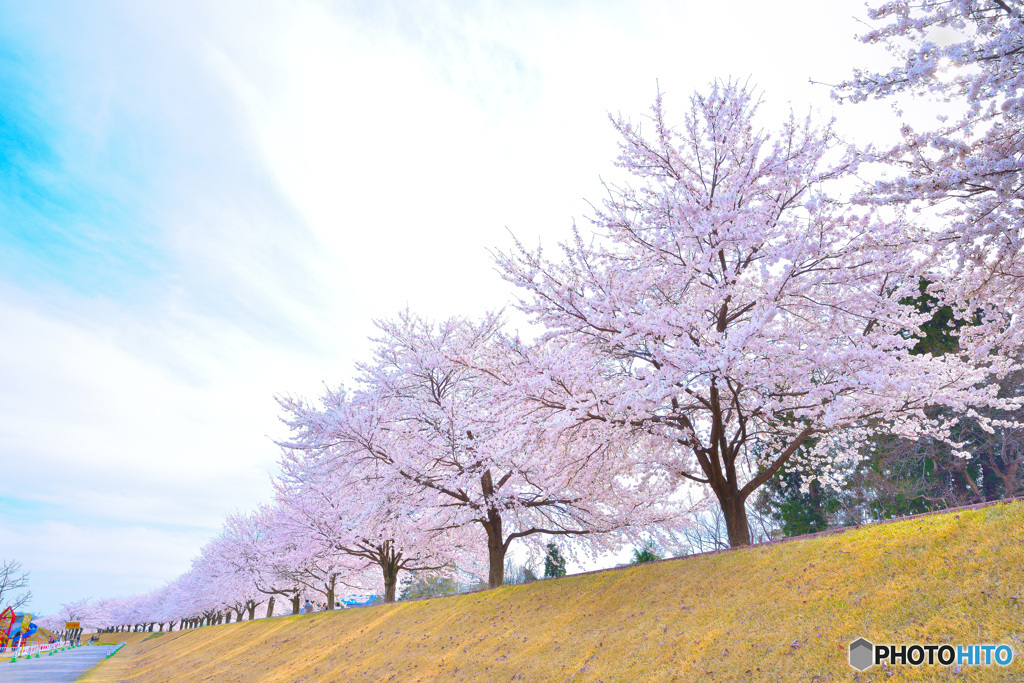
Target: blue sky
(203,205)
(64,221)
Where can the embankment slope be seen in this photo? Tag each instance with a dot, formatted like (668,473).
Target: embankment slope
(779,612)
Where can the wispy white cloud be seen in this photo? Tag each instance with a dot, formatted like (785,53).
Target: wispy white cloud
(239,188)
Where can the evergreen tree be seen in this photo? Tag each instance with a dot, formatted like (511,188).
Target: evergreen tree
(646,554)
(554,563)
(798,512)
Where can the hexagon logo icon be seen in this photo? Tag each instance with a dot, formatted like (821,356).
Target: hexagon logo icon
(862,654)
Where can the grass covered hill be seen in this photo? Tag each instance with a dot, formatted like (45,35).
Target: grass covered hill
(780,612)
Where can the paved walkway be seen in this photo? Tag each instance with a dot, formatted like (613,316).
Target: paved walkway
(62,667)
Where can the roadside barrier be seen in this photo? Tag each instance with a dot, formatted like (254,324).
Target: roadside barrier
(113,650)
(29,651)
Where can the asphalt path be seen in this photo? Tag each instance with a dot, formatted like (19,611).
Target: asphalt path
(61,667)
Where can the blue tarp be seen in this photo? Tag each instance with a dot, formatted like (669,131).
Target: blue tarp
(358,600)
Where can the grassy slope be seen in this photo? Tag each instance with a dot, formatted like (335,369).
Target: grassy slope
(782,612)
(117,638)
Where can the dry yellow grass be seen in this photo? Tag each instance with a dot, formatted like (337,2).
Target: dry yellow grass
(782,612)
(116,638)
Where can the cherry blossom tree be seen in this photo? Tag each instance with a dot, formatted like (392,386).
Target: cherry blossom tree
(162,610)
(965,58)
(430,417)
(252,549)
(350,505)
(316,569)
(731,318)
(231,579)
(76,610)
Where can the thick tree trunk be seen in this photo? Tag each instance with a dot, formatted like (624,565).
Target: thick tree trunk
(270,607)
(251,610)
(496,560)
(227,617)
(496,550)
(496,547)
(735,512)
(296,603)
(390,580)
(330,594)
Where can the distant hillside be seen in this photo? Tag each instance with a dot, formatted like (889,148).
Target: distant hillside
(780,612)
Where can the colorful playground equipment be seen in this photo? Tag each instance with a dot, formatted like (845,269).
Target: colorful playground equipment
(7,618)
(16,630)
(21,629)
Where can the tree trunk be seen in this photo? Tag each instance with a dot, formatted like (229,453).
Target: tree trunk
(496,547)
(330,594)
(270,607)
(735,512)
(296,603)
(390,581)
(252,610)
(989,478)
(496,560)
(227,617)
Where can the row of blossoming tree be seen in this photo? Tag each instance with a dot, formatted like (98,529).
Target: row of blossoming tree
(739,309)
